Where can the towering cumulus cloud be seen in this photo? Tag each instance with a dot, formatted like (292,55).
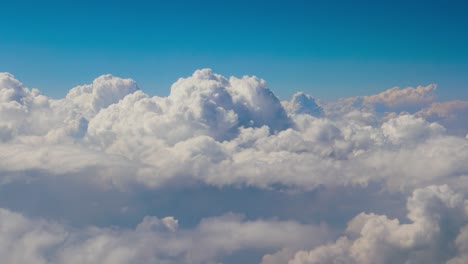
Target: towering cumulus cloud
(241,176)
(203,104)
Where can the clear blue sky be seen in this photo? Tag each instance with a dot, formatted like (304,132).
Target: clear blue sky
(329,49)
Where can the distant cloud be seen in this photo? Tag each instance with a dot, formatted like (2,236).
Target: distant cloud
(154,240)
(451,114)
(437,216)
(302,103)
(392,100)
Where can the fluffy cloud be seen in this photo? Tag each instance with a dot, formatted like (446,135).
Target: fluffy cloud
(408,129)
(203,104)
(302,103)
(154,240)
(234,133)
(18,106)
(409,99)
(104,91)
(436,215)
(451,114)
(25,112)
(221,131)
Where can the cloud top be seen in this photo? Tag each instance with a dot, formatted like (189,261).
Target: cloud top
(224,131)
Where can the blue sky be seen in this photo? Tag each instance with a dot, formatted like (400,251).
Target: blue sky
(329,49)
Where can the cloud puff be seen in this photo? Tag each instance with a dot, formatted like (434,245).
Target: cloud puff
(104,91)
(11,89)
(450,114)
(408,129)
(154,240)
(409,99)
(203,104)
(16,106)
(302,103)
(436,215)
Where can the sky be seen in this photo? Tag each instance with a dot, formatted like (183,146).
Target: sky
(329,49)
(240,132)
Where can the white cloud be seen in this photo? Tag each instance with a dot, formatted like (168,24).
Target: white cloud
(221,131)
(302,103)
(436,215)
(450,114)
(235,133)
(203,104)
(104,91)
(11,90)
(154,240)
(407,129)
(409,99)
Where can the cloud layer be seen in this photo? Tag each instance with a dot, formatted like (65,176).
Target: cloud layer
(234,132)
(153,240)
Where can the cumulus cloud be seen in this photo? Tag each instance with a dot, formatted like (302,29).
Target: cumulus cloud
(25,112)
(436,215)
(302,103)
(154,240)
(104,91)
(220,132)
(16,106)
(408,129)
(203,104)
(410,99)
(450,114)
